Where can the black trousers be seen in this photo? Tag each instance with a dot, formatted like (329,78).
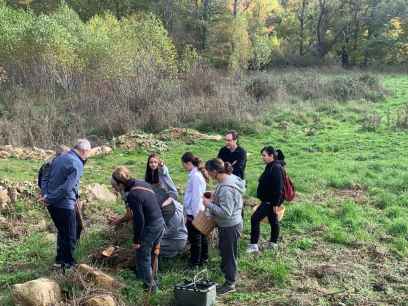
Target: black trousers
(199,244)
(264,210)
(228,238)
(65,221)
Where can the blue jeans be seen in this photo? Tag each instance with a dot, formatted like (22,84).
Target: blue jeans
(151,237)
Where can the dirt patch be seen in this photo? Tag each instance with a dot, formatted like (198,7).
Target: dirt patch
(356,194)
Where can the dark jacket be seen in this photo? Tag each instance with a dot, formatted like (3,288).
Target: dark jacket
(270,187)
(237,159)
(61,187)
(145,208)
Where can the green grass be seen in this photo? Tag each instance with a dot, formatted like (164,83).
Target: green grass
(327,152)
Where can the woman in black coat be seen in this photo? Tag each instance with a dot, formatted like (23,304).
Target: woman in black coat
(270,192)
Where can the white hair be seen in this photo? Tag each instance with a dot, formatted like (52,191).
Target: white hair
(83,144)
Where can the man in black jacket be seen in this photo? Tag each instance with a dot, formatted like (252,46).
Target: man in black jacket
(234,154)
(270,192)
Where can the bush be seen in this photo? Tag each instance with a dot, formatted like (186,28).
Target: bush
(398,227)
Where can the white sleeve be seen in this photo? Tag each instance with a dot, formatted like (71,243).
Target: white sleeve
(197,192)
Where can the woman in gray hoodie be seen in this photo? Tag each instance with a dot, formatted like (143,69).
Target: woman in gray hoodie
(225,205)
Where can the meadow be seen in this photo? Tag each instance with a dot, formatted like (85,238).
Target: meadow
(344,238)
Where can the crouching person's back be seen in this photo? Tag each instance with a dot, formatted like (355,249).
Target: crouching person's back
(148,223)
(175,237)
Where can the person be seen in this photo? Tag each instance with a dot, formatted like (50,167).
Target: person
(234,154)
(148,223)
(175,236)
(226,205)
(193,204)
(60,194)
(158,174)
(270,192)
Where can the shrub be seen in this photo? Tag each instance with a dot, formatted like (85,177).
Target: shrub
(398,227)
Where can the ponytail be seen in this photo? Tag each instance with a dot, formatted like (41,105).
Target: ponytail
(218,166)
(277,154)
(280,155)
(196,161)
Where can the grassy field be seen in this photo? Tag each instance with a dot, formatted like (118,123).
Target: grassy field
(344,239)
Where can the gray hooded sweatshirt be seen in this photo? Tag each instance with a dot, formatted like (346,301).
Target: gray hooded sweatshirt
(228,201)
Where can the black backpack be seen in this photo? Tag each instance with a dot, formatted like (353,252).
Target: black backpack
(44,173)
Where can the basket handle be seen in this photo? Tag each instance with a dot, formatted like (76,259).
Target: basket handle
(196,279)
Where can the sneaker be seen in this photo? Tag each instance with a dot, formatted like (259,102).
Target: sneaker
(226,288)
(57,266)
(272,246)
(252,248)
(68,267)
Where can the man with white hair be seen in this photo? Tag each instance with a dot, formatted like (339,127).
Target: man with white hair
(60,193)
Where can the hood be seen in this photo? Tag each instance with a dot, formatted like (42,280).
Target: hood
(236,182)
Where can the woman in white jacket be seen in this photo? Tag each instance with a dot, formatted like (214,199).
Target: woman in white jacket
(193,204)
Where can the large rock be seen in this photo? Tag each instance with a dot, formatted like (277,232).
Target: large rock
(101,300)
(98,192)
(102,150)
(39,292)
(4,198)
(98,277)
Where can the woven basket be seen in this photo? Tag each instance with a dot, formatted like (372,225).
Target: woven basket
(204,223)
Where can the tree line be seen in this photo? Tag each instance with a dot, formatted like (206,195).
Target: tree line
(257,34)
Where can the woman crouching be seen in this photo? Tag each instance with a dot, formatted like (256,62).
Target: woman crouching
(226,206)
(148,223)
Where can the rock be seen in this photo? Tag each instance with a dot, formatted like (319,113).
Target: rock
(187,135)
(135,140)
(325,270)
(102,150)
(98,192)
(39,292)
(25,153)
(98,277)
(4,198)
(41,225)
(101,300)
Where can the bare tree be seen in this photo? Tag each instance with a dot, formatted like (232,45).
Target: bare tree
(301,16)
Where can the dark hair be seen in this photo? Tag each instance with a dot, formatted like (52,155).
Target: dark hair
(277,154)
(218,166)
(189,157)
(280,155)
(233,133)
(152,176)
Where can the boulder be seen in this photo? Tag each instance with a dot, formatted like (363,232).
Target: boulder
(101,300)
(98,192)
(39,292)
(102,150)
(4,198)
(98,277)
